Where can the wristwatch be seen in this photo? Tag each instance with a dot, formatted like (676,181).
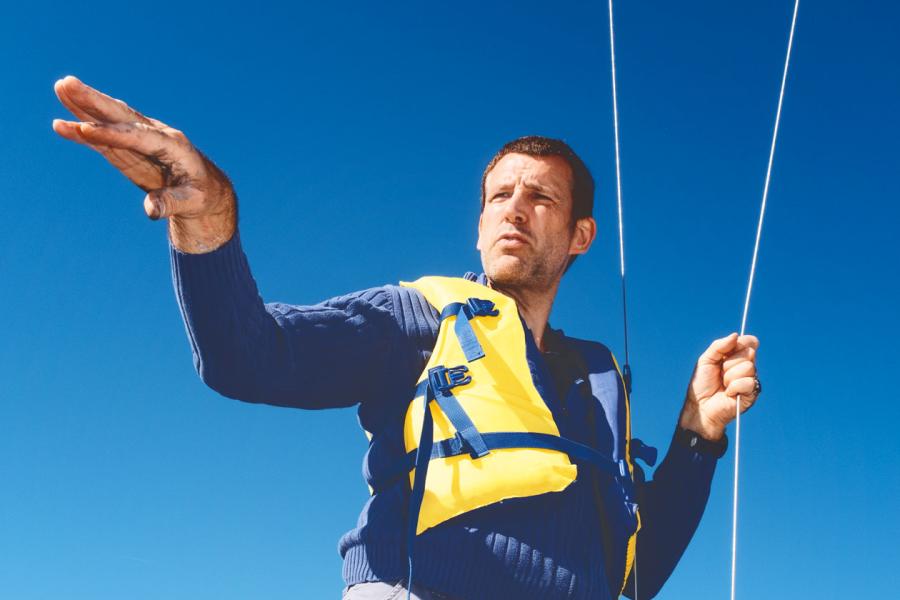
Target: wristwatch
(698,443)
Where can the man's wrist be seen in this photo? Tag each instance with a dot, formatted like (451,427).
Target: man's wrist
(691,418)
(689,438)
(199,235)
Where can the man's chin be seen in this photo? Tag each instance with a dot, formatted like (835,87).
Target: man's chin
(507,270)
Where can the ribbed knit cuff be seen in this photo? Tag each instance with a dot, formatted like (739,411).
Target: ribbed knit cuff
(211,288)
(695,441)
(224,270)
(224,260)
(689,463)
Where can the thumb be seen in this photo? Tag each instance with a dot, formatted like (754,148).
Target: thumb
(718,350)
(165,202)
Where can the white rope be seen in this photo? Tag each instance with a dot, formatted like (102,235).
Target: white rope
(615,103)
(612,61)
(762,212)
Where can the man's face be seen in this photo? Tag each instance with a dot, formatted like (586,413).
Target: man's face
(525,232)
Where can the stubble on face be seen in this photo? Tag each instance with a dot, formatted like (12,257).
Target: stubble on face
(533,269)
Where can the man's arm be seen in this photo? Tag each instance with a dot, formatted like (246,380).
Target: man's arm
(319,356)
(671,506)
(306,356)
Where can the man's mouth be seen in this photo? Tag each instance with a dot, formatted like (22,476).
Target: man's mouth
(512,240)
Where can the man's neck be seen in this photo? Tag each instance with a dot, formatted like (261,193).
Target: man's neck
(534,305)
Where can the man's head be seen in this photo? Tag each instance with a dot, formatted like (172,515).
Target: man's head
(537,197)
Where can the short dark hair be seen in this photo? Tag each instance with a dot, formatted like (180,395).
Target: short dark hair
(536,145)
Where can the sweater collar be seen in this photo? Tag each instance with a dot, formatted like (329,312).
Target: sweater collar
(471,276)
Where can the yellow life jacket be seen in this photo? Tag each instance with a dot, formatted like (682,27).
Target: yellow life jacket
(487,435)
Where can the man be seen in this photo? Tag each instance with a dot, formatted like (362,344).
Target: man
(572,538)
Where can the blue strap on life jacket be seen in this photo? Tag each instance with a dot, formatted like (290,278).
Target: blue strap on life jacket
(441,383)
(423,456)
(439,388)
(513,439)
(464,312)
(526,439)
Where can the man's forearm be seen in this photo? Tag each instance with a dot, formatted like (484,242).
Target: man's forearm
(671,506)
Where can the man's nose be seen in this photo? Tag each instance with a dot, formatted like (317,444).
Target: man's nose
(516,207)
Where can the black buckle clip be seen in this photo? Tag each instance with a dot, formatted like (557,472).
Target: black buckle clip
(626,377)
(642,451)
(478,307)
(443,379)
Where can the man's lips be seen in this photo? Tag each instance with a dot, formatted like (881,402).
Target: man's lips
(513,239)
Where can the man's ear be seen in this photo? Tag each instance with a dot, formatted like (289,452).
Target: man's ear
(478,243)
(585,232)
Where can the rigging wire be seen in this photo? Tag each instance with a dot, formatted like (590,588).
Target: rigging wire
(612,60)
(762,212)
(626,369)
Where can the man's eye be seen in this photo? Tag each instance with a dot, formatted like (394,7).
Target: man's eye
(500,195)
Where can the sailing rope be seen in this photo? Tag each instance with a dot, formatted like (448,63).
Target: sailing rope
(612,60)
(626,371)
(762,212)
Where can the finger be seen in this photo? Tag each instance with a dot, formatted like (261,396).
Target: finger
(68,130)
(166,202)
(147,172)
(739,356)
(748,341)
(138,137)
(738,371)
(89,104)
(718,349)
(741,387)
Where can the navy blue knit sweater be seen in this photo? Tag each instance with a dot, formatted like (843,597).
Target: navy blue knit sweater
(548,546)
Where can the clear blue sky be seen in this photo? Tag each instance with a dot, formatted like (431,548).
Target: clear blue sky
(355,136)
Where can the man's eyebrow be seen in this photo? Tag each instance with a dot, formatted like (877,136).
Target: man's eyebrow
(538,187)
(501,184)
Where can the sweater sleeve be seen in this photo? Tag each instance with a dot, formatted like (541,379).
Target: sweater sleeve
(318,356)
(671,506)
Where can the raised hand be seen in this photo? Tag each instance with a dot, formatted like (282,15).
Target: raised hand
(181,183)
(724,372)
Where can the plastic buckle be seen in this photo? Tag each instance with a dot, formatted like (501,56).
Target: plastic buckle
(443,379)
(643,452)
(478,307)
(459,445)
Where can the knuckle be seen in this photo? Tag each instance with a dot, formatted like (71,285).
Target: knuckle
(177,135)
